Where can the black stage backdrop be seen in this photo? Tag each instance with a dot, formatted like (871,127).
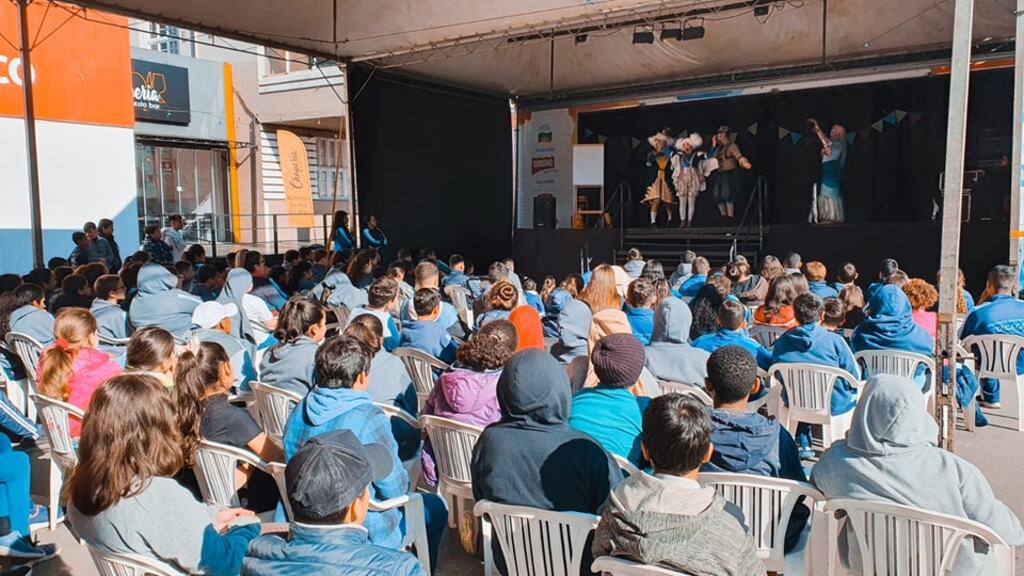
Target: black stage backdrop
(891,176)
(434,165)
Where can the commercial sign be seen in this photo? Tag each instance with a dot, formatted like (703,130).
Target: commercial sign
(298,193)
(160,93)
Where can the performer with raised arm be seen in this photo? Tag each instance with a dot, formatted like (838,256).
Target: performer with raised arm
(660,190)
(727,179)
(833,160)
(687,176)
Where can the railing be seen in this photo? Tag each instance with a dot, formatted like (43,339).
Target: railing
(229,232)
(757,196)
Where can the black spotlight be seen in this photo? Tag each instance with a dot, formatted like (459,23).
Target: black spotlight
(671,31)
(581,38)
(762,11)
(693,29)
(643,35)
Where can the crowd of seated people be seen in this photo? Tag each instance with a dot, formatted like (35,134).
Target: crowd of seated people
(563,378)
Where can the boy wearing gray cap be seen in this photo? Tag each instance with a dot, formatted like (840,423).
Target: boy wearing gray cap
(328,483)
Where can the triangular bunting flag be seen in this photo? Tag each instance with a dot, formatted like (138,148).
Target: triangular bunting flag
(752,128)
(635,143)
(890,118)
(900,115)
(915,117)
(795,137)
(878,125)
(587,132)
(783,132)
(602,139)
(850,138)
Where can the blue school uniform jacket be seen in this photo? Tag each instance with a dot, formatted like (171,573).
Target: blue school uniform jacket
(641,320)
(812,344)
(693,285)
(822,290)
(160,303)
(712,342)
(1001,314)
(430,337)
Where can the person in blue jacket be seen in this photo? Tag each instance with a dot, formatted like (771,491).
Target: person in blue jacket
(732,332)
(159,302)
(816,274)
(341,235)
(425,333)
(373,236)
(639,308)
(1002,313)
(532,297)
(885,269)
(890,326)
(696,281)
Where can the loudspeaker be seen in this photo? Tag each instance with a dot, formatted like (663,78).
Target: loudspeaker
(544,211)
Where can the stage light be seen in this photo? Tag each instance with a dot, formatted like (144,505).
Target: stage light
(762,11)
(671,31)
(643,35)
(693,29)
(581,38)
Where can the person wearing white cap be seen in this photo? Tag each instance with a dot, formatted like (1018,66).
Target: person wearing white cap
(211,322)
(687,175)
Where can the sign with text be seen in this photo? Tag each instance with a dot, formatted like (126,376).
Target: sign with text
(298,193)
(160,93)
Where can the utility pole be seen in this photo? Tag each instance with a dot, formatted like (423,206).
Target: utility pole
(30,135)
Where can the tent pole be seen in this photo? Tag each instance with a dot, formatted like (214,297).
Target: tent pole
(956,130)
(350,153)
(1016,158)
(30,135)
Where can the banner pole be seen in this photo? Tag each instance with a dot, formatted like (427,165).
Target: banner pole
(30,136)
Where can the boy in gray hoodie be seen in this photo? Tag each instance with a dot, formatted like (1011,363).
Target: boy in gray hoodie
(159,302)
(669,519)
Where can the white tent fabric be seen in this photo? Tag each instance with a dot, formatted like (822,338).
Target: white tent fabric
(506,47)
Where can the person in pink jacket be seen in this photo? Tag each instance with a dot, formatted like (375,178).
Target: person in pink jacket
(72,368)
(467,392)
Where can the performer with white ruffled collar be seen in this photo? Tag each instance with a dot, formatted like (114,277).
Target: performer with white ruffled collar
(687,176)
(660,190)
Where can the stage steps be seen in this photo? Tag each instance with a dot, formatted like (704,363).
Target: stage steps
(668,244)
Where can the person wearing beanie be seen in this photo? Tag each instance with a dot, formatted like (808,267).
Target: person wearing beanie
(609,412)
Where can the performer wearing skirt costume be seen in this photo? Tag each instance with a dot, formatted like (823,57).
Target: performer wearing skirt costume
(660,190)
(687,175)
(833,160)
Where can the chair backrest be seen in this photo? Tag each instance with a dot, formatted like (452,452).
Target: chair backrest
(809,387)
(686,389)
(766,335)
(895,362)
(621,567)
(459,297)
(342,315)
(625,465)
(28,350)
(767,503)
(274,405)
(452,443)
(420,367)
(118,564)
(539,542)
(215,466)
(108,341)
(276,471)
(393,411)
(56,417)
(997,354)
(897,539)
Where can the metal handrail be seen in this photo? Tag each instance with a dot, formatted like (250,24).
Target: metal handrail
(213,229)
(758,193)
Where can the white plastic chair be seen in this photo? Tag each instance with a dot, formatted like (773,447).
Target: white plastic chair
(452,443)
(18,392)
(809,392)
(56,417)
(28,350)
(461,298)
(215,467)
(899,363)
(119,564)
(108,341)
(535,542)
(767,504)
(897,539)
(274,405)
(686,390)
(613,566)
(765,334)
(770,400)
(649,384)
(997,358)
(420,367)
(625,465)
(413,466)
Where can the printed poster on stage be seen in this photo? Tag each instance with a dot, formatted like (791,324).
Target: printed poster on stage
(298,193)
(546,164)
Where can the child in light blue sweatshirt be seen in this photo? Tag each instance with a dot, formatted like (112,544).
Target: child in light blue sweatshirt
(424,333)
(639,308)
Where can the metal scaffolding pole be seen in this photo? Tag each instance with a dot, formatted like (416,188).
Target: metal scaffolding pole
(956,132)
(30,135)
(1016,158)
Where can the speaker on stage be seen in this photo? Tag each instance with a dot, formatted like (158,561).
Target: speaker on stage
(544,211)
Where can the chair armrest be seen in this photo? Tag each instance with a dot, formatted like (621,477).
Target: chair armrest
(396,502)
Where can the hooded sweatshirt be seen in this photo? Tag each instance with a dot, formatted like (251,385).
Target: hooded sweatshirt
(889,454)
(641,320)
(602,324)
(678,524)
(342,292)
(241,360)
(693,285)
(291,365)
(553,307)
(33,322)
(529,333)
(430,337)
(236,286)
(111,322)
(328,409)
(634,268)
(1000,314)
(390,384)
(822,290)
(812,344)
(464,395)
(613,416)
(573,325)
(669,356)
(724,337)
(681,274)
(160,303)
(890,325)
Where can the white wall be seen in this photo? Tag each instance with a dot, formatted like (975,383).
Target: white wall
(86,172)
(546,167)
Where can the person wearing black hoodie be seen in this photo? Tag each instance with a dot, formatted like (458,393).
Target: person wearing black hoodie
(531,457)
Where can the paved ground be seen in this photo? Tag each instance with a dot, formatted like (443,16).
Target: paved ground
(997,450)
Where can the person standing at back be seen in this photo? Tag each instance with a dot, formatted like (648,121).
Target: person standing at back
(106,232)
(1002,313)
(173,236)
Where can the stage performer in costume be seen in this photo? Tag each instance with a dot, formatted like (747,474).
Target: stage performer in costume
(833,160)
(660,190)
(727,179)
(687,175)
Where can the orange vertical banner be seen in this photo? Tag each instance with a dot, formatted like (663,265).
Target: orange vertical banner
(298,192)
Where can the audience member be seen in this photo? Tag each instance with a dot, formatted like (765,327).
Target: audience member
(153,245)
(289,364)
(382,299)
(771,268)
(816,274)
(27,314)
(683,270)
(572,329)
(853,300)
(111,319)
(207,283)
(173,237)
(458,275)
(105,232)
(696,281)
(18,515)
(792,264)
(80,254)
(639,308)
(704,308)
(777,309)
(501,299)
(846,277)
(750,289)
(263,286)
(75,292)
(211,322)
(1001,314)
(668,519)
(923,296)
(885,269)
(425,332)
(151,351)
(533,299)
(669,356)
(833,314)
(634,263)
(529,332)
(159,302)
(732,331)
(122,496)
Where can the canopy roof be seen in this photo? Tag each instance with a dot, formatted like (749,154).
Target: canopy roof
(536,47)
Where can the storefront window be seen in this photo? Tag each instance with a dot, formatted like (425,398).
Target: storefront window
(187,181)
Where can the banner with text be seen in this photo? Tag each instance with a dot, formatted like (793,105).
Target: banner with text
(298,193)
